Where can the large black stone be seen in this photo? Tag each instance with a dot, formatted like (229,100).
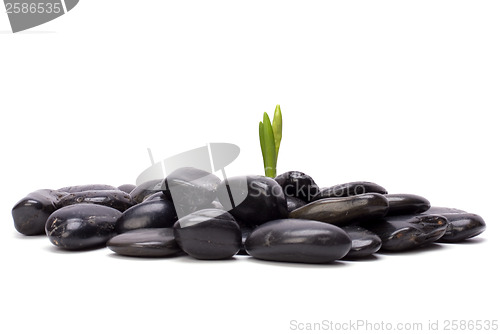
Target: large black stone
(146,242)
(406,204)
(297,184)
(399,233)
(115,199)
(31,212)
(148,214)
(190,186)
(364,242)
(350,189)
(209,234)
(298,240)
(256,199)
(344,210)
(81,226)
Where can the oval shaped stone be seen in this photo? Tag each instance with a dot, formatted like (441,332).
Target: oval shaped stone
(87,187)
(127,188)
(462,226)
(146,189)
(115,199)
(298,240)
(253,200)
(81,226)
(350,189)
(344,210)
(293,203)
(406,204)
(399,233)
(209,234)
(190,186)
(297,184)
(31,212)
(364,242)
(149,214)
(145,242)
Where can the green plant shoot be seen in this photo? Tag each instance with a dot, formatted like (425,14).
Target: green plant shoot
(270,140)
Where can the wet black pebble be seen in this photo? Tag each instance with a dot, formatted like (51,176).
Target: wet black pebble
(148,214)
(298,240)
(344,210)
(400,233)
(81,226)
(209,234)
(406,204)
(31,212)
(146,242)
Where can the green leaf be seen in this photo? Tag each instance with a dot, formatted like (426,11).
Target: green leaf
(267,145)
(277,129)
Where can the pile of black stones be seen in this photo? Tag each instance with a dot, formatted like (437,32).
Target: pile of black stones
(288,218)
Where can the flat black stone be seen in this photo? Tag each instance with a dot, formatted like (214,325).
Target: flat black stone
(86,187)
(149,214)
(81,226)
(297,184)
(400,233)
(298,240)
(127,188)
(343,211)
(115,199)
(209,234)
(364,242)
(462,226)
(146,242)
(190,186)
(146,189)
(256,199)
(294,203)
(350,189)
(31,212)
(406,204)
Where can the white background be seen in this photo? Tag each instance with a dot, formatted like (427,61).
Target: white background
(402,93)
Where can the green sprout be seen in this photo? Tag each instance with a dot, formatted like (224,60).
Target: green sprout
(270,139)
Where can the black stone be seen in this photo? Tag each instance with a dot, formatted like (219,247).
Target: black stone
(208,234)
(115,199)
(189,186)
(146,189)
(87,187)
(406,204)
(256,199)
(298,240)
(297,184)
(149,214)
(350,189)
(400,233)
(344,210)
(127,188)
(294,203)
(31,212)
(364,242)
(462,226)
(146,242)
(81,226)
